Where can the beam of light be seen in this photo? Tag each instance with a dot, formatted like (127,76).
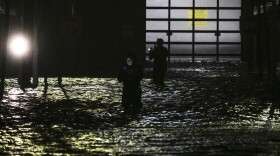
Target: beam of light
(19,45)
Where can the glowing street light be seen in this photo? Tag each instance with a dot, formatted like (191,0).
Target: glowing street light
(19,45)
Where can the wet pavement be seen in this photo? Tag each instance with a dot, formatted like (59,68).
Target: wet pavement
(206,108)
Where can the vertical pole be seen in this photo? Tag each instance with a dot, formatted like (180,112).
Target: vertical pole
(169,32)
(241,33)
(218,31)
(243,13)
(20,77)
(267,39)
(5,49)
(258,42)
(193,27)
(274,50)
(35,46)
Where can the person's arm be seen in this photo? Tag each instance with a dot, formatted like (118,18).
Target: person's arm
(151,54)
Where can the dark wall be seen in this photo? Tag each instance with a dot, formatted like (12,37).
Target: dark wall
(260,33)
(91,37)
(86,37)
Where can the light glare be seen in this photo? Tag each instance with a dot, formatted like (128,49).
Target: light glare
(19,45)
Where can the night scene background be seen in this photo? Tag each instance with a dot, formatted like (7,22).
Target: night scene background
(221,93)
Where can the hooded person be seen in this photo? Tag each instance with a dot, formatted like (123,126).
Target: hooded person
(130,75)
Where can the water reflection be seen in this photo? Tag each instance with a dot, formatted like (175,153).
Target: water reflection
(196,113)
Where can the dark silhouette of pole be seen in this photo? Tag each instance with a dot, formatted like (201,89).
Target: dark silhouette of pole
(5,49)
(35,46)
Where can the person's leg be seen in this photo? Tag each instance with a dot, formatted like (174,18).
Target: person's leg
(127,100)
(154,77)
(160,77)
(157,76)
(124,100)
(137,103)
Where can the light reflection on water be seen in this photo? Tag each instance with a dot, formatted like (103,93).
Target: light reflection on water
(196,113)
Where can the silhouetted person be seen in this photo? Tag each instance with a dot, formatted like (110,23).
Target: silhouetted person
(160,55)
(130,75)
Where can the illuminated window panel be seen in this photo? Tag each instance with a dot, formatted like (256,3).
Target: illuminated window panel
(230,37)
(181,3)
(205,37)
(205,49)
(181,37)
(211,13)
(157,13)
(152,37)
(180,49)
(199,13)
(205,25)
(206,3)
(156,3)
(156,25)
(180,25)
(228,25)
(179,14)
(230,3)
(229,49)
(230,14)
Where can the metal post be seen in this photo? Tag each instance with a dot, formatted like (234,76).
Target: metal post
(169,32)
(35,46)
(193,27)
(20,76)
(241,34)
(218,31)
(5,49)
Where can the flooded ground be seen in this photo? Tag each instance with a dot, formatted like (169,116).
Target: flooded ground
(206,108)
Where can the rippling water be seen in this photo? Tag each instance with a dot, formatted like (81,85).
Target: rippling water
(205,109)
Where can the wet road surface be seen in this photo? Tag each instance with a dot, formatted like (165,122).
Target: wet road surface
(206,108)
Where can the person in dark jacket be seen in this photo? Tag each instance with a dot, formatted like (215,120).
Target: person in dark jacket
(160,55)
(130,75)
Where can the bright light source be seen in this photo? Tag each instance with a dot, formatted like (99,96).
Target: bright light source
(19,45)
